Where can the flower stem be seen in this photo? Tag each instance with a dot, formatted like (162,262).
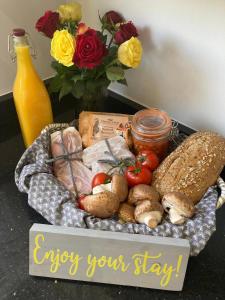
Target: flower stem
(110,43)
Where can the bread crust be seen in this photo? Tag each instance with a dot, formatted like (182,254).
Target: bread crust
(193,167)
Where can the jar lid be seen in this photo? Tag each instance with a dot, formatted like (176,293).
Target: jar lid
(151,122)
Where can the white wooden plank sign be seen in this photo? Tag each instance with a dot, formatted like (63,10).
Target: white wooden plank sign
(108,257)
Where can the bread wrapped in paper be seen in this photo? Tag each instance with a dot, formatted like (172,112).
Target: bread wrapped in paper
(69,169)
(95,154)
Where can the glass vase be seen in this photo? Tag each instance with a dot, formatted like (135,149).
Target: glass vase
(91,102)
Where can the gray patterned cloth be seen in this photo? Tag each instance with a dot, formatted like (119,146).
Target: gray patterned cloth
(57,205)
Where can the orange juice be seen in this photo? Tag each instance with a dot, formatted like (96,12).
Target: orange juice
(31,98)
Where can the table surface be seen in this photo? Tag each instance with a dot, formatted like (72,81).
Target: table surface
(205,277)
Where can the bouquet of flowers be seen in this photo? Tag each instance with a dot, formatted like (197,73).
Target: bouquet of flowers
(87,60)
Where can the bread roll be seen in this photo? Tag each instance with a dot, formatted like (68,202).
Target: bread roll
(193,167)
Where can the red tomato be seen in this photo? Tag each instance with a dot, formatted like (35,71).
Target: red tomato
(100,178)
(148,158)
(137,175)
(80,201)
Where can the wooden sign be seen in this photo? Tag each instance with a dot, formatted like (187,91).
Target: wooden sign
(108,257)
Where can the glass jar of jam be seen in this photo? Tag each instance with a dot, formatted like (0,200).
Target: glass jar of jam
(150,130)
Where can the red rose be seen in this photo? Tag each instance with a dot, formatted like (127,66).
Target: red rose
(90,50)
(112,17)
(125,32)
(48,23)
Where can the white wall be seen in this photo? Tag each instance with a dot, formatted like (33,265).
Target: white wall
(183,68)
(23,13)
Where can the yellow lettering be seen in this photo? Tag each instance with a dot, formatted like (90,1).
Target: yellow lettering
(112,263)
(64,257)
(124,267)
(179,261)
(91,265)
(155,268)
(102,262)
(54,259)
(75,264)
(137,264)
(167,271)
(117,263)
(37,247)
(141,262)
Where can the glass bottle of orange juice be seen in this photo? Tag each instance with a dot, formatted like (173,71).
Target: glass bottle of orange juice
(31,98)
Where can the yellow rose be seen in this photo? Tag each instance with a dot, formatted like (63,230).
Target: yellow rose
(130,53)
(63,46)
(70,12)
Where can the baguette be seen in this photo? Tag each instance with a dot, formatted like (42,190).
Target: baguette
(193,167)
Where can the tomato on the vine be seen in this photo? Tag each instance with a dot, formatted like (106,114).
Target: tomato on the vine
(138,175)
(148,158)
(100,178)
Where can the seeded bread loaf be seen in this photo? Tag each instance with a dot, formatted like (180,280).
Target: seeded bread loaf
(193,167)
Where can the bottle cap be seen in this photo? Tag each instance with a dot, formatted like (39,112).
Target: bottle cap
(19,32)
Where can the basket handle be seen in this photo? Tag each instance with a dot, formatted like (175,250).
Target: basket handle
(221,185)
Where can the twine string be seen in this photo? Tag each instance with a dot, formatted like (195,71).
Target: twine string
(66,157)
(114,159)
(115,162)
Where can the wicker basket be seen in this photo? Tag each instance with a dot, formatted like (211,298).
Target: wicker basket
(55,203)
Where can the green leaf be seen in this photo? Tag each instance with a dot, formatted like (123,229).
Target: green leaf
(104,39)
(113,51)
(55,84)
(66,88)
(105,82)
(71,26)
(115,73)
(63,70)
(111,56)
(125,67)
(102,82)
(123,81)
(78,89)
(76,77)
(91,85)
(59,68)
